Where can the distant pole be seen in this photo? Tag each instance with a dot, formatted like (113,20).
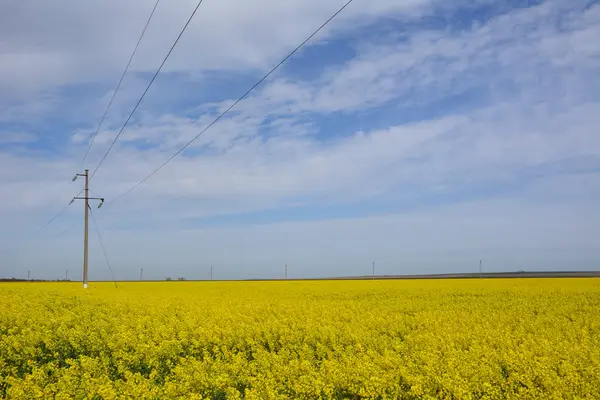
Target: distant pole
(28,274)
(480,270)
(211,270)
(286,272)
(141,274)
(66,275)
(373,269)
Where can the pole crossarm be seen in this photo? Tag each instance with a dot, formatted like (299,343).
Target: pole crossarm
(89,198)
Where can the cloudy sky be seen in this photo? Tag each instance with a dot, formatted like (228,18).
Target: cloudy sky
(423,135)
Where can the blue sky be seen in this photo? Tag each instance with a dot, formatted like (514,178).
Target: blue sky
(420,134)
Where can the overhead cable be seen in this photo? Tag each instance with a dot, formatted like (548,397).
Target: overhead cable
(103,247)
(87,152)
(232,105)
(145,91)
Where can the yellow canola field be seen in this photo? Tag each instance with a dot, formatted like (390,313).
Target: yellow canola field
(447,339)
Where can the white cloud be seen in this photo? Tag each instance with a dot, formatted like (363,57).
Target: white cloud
(530,81)
(16,137)
(506,234)
(229,35)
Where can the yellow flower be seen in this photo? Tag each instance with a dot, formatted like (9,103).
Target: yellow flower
(441,339)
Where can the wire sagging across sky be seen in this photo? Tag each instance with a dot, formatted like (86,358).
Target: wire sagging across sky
(242,97)
(51,220)
(217,119)
(146,90)
(103,248)
(112,99)
(85,155)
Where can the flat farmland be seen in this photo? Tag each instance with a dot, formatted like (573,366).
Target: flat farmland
(380,339)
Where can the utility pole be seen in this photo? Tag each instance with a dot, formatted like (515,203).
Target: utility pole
(85,235)
(373,269)
(286,272)
(87,199)
(28,274)
(480,270)
(66,275)
(211,272)
(141,273)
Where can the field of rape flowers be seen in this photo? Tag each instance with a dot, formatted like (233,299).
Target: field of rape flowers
(437,339)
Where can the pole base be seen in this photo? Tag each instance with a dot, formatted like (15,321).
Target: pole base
(85,285)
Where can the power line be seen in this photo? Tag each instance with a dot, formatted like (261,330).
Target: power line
(70,228)
(146,90)
(50,221)
(87,152)
(54,218)
(233,105)
(94,193)
(28,239)
(103,247)
(37,232)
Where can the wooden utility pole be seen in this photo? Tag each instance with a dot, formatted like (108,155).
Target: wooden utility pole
(86,199)
(141,274)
